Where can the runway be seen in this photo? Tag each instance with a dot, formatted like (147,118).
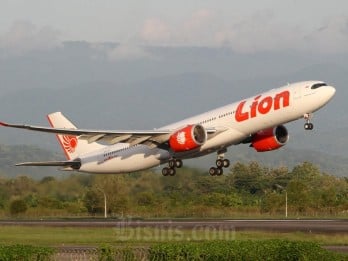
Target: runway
(311,226)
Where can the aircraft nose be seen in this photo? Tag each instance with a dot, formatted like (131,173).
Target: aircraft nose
(330,90)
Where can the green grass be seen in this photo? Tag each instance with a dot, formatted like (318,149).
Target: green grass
(50,236)
(323,239)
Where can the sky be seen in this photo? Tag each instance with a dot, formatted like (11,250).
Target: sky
(295,39)
(245,26)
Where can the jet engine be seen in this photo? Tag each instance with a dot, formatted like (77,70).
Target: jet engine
(188,138)
(270,139)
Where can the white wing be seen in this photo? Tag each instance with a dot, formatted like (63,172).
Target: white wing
(151,138)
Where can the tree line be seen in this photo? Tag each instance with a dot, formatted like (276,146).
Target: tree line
(246,190)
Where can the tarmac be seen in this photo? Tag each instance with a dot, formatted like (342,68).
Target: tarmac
(305,225)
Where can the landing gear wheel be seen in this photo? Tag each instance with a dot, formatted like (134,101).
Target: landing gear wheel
(219,163)
(212,171)
(172,172)
(175,163)
(308,125)
(215,171)
(226,163)
(172,163)
(165,171)
(178,163)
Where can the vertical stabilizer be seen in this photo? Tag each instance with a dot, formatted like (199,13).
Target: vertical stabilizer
(71,145)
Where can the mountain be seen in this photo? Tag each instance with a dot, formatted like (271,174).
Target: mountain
(9,155)
(330,142)
(74,63)
(150,104)
(288,157)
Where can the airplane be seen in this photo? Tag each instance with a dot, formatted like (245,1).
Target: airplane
(258,121)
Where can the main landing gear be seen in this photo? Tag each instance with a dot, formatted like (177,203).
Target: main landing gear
(220,164)
(172,165)
(308,125)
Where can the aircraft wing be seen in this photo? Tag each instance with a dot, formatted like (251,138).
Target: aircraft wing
(152,138)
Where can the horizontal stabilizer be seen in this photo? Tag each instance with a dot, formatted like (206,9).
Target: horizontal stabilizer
(72,164)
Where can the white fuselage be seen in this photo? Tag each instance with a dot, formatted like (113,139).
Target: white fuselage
(234,123)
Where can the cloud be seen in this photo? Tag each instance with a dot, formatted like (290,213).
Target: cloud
(330,37)
(197,29)
(188,32)
(24,37)
(155,30)
(260,31)
(125,52)
(199,19)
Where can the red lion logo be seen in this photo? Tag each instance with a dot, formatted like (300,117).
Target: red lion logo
(69,143)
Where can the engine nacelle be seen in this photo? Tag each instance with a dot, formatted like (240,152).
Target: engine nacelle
(270,139)
(188,138)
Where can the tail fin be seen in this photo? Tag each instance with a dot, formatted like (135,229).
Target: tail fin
(71,145)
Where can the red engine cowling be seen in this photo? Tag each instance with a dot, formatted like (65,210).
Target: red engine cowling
(188,138)
(270,139)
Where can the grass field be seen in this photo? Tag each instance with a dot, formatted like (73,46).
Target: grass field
(50,236)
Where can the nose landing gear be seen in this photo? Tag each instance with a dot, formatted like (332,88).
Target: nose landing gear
(308,125)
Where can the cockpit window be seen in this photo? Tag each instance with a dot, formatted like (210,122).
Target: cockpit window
(318,85)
